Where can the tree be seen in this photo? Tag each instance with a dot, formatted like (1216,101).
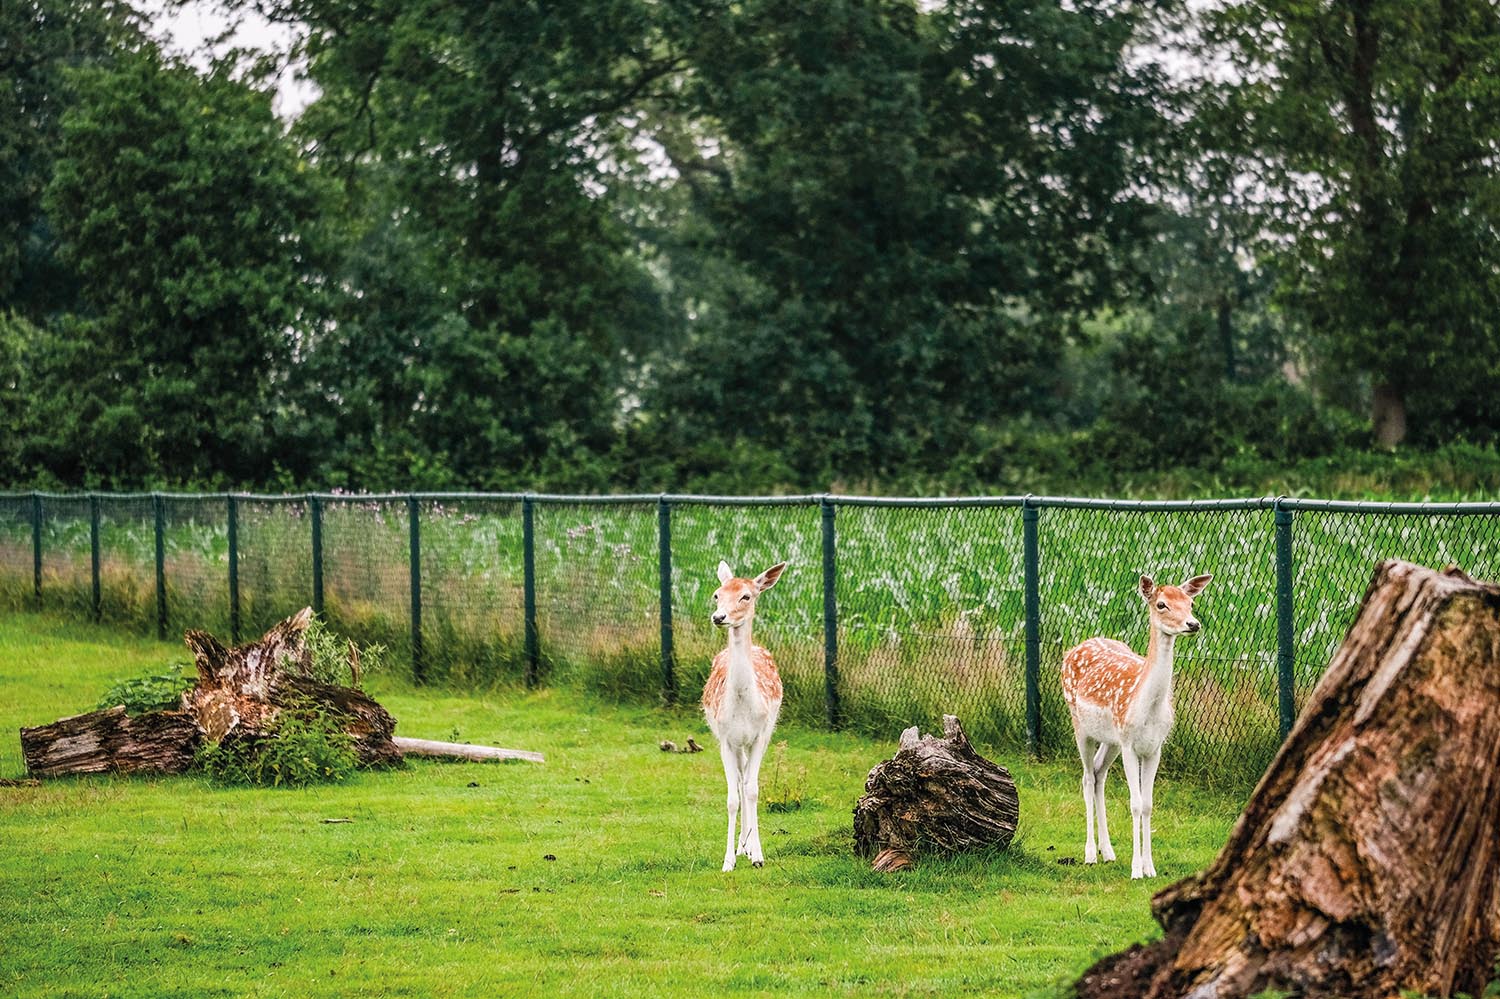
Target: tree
(895,187)
(39,41)
(471,139)
(180,207)
(1367,133)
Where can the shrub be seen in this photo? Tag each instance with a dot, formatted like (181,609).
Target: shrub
(329,654)
(306,745)
(160,691)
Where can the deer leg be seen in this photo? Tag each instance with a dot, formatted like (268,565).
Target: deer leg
(750,823)
(1103,760)
(1133,778)
(733,779)
(1086,750)
(1148,782)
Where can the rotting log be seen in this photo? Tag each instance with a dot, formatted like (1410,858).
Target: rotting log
(158,742)
(934,794)
(1365,863)
(238,695)
(241,691)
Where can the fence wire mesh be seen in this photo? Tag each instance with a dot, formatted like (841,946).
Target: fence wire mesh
(1224,685)
(366,573)
(928,599)
(931,619)
(597,595)
(789,618)
(1334,552)
(472,590)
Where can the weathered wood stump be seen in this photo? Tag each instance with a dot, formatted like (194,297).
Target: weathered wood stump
(935,793)
(1366,861)
(238,695)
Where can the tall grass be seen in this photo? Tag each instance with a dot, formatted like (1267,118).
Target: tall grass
(930,599)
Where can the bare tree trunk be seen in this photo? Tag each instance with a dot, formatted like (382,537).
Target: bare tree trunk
(934,794)
(1366,862)
(1389,415)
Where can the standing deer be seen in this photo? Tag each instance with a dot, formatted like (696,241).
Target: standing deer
(1121,705)
(741,701)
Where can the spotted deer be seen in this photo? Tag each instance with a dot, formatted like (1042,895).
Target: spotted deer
(1121,705)
(741,701)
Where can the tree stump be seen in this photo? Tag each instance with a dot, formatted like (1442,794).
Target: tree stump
(934,794)
(238,695)
(1365,862)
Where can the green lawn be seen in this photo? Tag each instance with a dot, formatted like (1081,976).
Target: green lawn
(594,874)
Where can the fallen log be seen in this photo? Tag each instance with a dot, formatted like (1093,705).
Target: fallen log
(1364,864)
(463,750)
(238,695)
(159,742)
(934,794)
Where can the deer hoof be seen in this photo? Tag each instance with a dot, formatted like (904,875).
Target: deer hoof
(757,863)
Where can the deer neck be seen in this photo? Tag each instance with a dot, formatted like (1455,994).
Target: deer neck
(1158,684)
(741,664)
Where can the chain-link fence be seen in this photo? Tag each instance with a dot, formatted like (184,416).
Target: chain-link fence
(892,612)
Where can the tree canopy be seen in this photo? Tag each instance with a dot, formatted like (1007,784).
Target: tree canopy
(695,244)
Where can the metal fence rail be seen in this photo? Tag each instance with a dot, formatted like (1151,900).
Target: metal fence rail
(895,609)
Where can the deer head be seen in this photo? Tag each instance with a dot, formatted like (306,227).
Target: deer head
(1171,607)
(735,598)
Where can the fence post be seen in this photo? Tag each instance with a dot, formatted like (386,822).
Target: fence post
(413,519)
(528,589)
(36,547)
(233,512)
(158,507)
(1285,639)
(664,561)
(1031,558)
(94,556)
(830,616)
(315,515)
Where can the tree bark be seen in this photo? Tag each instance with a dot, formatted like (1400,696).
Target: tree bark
(1388,415)
(238,696)
(934,794)
(1365,863)
(159,742)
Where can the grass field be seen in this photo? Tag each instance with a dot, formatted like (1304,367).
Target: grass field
(594,874)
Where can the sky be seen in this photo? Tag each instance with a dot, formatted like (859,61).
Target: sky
(188,30)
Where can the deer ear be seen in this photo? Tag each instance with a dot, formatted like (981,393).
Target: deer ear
(1148,589)
(767,579)
(725,573)
(1196,585)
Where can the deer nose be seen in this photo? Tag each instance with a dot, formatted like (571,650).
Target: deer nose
(719,618)
(1193,626)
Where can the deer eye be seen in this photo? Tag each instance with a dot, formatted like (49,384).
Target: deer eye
(745,597)
(1161,605)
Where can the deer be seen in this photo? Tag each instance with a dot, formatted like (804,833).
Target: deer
(1121,704)
(741,701)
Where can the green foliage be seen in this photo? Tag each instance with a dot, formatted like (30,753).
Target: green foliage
(305,745)
(752,246)
(158,690)
(1362,128)
(331,656)
(180,209)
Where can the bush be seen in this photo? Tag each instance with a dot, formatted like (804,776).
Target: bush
(160,691)
(306,745)
(329,654)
